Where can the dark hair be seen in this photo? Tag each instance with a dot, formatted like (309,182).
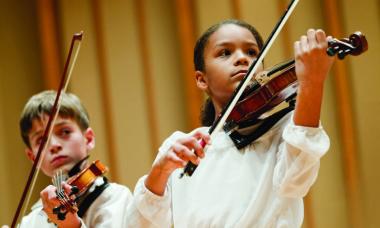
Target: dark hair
(42,103)
(208,110)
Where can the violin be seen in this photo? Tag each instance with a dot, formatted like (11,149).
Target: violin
(278,84)
(80,183)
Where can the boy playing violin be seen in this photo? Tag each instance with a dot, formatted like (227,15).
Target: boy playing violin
(70,143)
(260,185)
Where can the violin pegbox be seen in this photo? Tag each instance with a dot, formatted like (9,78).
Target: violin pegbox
(354,45)
(67,203)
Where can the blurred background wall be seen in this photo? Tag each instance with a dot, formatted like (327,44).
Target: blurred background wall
(134,74)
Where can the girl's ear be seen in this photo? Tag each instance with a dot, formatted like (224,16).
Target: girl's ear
(201,80)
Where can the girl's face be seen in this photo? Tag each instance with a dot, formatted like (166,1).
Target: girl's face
(227,56)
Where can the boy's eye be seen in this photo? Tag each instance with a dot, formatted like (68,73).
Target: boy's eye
(38,141)
(64,132)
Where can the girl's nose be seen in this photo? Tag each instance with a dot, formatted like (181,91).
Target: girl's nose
(242,59)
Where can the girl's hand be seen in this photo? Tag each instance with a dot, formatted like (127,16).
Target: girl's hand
(50,201)
(312,67)
(312,62)
(182,150)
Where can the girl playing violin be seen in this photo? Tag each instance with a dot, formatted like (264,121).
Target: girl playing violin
(260,185)
(71,141)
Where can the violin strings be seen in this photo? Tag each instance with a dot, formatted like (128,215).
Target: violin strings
(64,200)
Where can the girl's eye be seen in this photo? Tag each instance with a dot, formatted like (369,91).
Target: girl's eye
(252,52)
(225,52)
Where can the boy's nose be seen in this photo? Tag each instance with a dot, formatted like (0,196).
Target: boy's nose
(54,145)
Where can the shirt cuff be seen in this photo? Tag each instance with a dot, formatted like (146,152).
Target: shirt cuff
(149,204)
(312,140)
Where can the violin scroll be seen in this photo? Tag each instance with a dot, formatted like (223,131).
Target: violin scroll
(354,45)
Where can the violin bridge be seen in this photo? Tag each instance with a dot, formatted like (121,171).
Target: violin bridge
(262,78)
(265,76)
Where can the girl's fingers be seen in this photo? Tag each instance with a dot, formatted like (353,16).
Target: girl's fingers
(184,153)
(304,44)
(202,136)
(312,39)
(321,37)
(297,49)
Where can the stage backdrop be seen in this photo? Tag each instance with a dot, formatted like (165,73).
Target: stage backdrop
(134,73)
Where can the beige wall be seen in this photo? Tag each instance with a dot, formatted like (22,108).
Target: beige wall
(129,74)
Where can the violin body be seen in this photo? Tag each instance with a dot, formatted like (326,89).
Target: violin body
(282,87)
(279,84)
(86,177)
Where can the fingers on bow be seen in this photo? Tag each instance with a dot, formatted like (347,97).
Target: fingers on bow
(190,148)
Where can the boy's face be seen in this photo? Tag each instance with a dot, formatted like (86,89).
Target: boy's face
(68,144)
(228,54)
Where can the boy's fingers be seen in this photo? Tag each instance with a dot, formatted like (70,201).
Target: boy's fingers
(49,193)
(66,187)
(49,198)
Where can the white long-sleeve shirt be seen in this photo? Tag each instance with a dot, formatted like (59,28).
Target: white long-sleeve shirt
(108,210)
(261,185)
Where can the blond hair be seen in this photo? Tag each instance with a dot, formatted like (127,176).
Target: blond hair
(42,103)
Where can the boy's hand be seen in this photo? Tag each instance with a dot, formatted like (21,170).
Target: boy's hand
(182,151)
(50,201)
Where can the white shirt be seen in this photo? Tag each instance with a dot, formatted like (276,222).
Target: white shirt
(261,185)
(108,210)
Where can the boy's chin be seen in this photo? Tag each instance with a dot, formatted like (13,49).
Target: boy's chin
(65,169)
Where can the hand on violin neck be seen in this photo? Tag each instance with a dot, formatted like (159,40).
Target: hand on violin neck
(50,201)
(312,63)
(312,66)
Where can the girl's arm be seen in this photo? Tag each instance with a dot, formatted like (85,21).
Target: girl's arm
(312,67)
(151,205)
(176,155)
(305,141)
